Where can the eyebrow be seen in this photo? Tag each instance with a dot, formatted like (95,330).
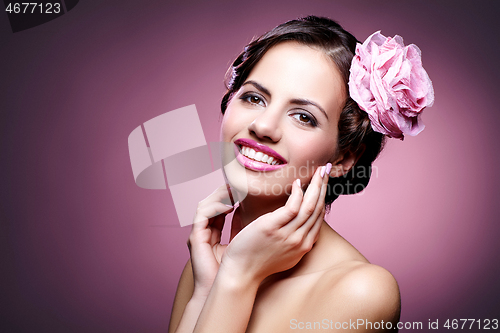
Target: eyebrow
(301,101)
(298,101)
(258,86)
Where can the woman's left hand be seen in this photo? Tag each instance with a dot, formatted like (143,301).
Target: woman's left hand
(278,240)
(204,241)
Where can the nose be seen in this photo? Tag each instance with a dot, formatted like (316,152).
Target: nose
(267,125)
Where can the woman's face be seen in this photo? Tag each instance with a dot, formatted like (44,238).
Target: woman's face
(288,109)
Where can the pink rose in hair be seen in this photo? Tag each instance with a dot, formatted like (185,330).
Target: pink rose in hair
(388,81)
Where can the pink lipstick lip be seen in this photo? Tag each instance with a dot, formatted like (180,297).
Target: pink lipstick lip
(260,147)
(255,165)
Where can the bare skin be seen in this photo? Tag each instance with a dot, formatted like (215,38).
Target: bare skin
(337,288)
(284,268)
(321,286)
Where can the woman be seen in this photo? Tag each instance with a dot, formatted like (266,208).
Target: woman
(290,114)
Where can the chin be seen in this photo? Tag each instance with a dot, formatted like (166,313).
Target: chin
(269,188)
(245,184)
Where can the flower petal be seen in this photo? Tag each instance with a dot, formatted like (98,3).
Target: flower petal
(387,81)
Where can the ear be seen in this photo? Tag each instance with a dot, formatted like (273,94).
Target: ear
(345,162)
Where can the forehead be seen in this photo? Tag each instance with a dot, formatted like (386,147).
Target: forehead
(293,70)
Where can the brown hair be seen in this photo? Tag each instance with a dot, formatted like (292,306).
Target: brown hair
(356,135)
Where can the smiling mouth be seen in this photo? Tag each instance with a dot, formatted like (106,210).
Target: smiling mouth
(258,156)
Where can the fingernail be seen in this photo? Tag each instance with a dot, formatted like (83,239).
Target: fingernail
(298,182)
(328,168)
(322,173)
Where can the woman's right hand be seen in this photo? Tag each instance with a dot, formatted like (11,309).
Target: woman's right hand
(277,241)
(204,240)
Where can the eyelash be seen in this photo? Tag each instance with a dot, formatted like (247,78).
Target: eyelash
(311,120)
(246,98)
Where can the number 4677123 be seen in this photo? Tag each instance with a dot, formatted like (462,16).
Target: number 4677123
(33,7)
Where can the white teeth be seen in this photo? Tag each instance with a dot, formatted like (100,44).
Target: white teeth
(258,156)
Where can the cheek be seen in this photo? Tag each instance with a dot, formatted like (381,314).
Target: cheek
(309,154)
(315,150)
(234,122)
(230,126)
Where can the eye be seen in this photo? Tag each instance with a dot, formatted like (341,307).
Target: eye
(305,119)
(253,99)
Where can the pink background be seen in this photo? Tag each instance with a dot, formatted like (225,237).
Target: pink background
(83,249)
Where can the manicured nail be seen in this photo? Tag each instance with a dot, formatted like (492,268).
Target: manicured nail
(298,182)
(328,168)
(322,173)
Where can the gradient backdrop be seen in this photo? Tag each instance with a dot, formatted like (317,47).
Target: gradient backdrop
(83,249)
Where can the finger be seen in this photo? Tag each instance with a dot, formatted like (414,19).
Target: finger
(289,211)
(205,212)
(309,203)
(209,230)
(313,234)
(210,206)
(320,203)
(221,194)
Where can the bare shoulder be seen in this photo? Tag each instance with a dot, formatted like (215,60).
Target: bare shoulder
(330,290)
(360,290)
(349,297)
(369,282)
(354,286)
